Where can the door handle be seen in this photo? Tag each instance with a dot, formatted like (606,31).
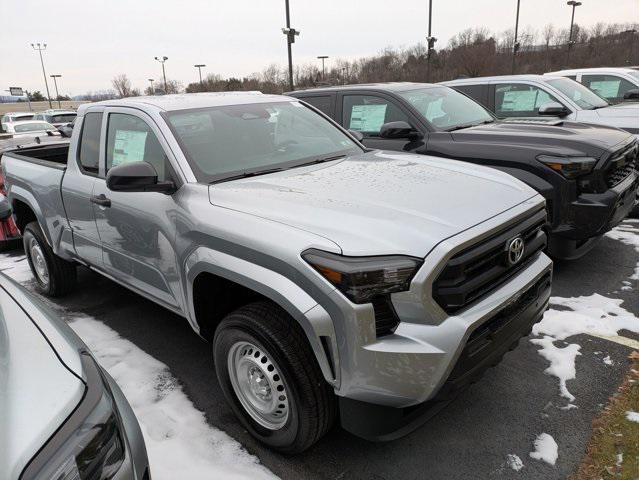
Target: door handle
(101,200)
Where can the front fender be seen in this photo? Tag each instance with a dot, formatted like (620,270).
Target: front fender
(313,319)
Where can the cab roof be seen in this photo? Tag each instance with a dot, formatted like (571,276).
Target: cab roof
(388,86)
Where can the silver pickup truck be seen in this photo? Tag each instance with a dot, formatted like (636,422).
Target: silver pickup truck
(333,281)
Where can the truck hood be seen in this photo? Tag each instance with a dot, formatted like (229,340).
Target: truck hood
(575,138)
(627,109)
(378,202)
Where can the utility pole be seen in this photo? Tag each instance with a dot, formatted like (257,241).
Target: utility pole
(162,60)
(152,89)
(574,4)
(57,95)
(290,33)
(199,68)
(516,42)
(40,48)
(630,32)
(430,40)
(322,58)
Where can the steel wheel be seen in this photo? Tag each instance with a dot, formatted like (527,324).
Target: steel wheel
(258,385)
(38,260)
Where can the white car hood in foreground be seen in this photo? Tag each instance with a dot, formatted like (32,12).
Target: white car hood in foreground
(37,391)
(378,202)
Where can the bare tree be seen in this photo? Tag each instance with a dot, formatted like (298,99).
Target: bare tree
(122,86)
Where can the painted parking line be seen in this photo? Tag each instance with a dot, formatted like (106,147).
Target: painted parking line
(628,342)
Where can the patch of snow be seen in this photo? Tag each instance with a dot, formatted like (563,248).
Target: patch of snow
(16,267)
(570,406)
(619,459)
(632,416)
(514,462)
(562,362)
(546,449)
(608,361)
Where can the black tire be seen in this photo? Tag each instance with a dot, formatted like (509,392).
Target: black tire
(62,275)
(312,405)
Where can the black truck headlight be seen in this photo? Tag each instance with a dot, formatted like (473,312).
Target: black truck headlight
(89,445)
(363,278)
(569,167)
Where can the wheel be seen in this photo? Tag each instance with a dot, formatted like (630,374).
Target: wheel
(271,379)
(54,276)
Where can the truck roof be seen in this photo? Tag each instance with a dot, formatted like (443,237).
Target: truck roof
(502,78)
(186,101)
(592,70)
(390,86)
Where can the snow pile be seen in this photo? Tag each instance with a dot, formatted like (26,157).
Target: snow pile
(562,362)
(632,416)
(514,462)
(546,449)
(16,267)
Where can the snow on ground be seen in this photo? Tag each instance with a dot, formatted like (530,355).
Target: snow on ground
(179,442)
(632,416)
(546,449)
(608,361)
(627,233)
(514,462)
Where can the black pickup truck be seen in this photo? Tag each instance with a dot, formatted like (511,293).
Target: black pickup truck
(585,172)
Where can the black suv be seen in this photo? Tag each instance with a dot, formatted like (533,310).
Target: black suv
(585,172)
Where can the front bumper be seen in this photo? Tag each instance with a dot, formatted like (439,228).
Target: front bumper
(582,222)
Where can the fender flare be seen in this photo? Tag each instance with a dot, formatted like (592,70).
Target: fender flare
(23,195)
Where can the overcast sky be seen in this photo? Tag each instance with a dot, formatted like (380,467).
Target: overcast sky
(91,41)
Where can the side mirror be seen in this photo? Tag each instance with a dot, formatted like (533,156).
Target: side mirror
(553,109)
(359,136)
(631,94)
(399,129)
(136,177)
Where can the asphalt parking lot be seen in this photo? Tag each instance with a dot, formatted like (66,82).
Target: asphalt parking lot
(470,439)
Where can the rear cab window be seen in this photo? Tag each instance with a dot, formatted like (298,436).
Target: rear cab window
(324,103)
(89,145)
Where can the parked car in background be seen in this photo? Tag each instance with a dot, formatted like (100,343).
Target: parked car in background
(9,235)
(67,129)
(63,416)
(547,98)
(613,84)
(585,172)
(31,128)
(56,117)
(322,272)
(11,117)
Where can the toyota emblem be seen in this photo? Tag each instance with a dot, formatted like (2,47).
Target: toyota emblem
(515,250)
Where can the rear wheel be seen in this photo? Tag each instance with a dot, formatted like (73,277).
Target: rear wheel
(270,377)
(54,276)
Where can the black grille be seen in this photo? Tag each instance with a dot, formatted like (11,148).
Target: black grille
(386,319)
(621,165)
(474,272)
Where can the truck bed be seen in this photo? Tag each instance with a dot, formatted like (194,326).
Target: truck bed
(52,155)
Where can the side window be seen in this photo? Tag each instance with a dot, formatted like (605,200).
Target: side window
(476,92)
(367,113)
(610,87)
(89,146)
(130,139)
(520,100)
(323,104)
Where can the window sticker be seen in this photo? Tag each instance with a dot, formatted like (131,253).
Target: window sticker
(519,101)
(129,146)
(367,118)
(606,88)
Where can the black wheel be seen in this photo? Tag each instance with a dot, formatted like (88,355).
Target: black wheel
(54,276)
(270,377)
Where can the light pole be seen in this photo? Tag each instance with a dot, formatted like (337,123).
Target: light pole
(322,58)
(152,89)
(40,48)
(290,33)
(162,60)
(199,68)
(430,40)
(57,95)
(516,43)
(630,32)
(574,4)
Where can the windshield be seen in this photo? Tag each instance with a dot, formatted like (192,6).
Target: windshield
(222,142)
(63,118)
(33,127)
(446,108)
(634,74)
(584,98)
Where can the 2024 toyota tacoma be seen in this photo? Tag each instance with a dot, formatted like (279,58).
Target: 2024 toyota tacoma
(333,280)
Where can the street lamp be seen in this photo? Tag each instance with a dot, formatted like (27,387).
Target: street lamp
(322,58)
(152,89)
(40,48)
(630,32)
(162,60)
(430,40)
(57,95)
(516,43)
(574,4)
(199,68)
(290,33)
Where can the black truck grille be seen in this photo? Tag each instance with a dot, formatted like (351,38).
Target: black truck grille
(622,165)
(474,272)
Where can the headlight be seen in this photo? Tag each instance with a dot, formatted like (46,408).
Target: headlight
(569,167)
(88,446)
(362,278)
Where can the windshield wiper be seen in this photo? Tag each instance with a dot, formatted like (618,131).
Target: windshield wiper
(321,160)
(247,175)
(468,125)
